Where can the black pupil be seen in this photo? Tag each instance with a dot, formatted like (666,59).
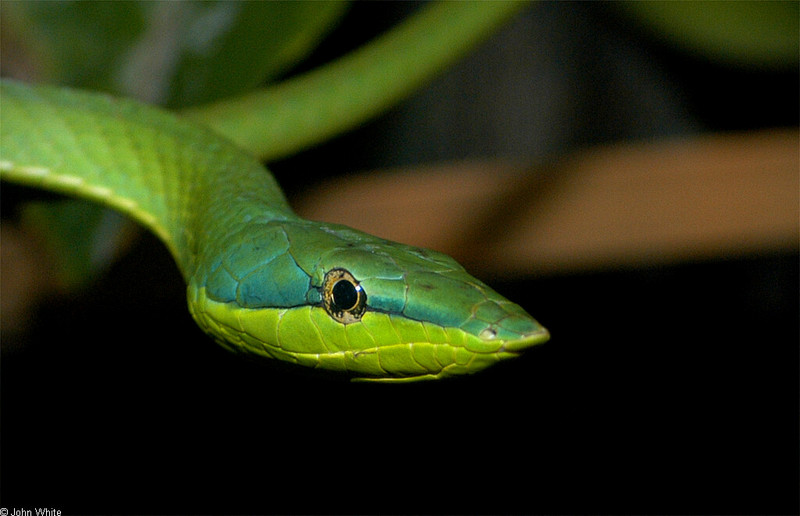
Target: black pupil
(345,295)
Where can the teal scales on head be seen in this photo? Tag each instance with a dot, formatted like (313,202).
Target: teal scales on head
(259,278)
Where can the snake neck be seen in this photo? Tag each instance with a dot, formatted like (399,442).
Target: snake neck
(229,225)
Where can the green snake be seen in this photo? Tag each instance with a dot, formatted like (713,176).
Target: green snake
(260,279)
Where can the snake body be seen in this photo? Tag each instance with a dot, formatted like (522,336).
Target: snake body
(259,278)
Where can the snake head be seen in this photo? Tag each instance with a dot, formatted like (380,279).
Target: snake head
(331,297)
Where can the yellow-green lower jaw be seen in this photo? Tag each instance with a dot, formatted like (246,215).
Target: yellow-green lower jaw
(381,347)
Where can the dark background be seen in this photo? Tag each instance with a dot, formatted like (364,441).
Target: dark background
(665,389)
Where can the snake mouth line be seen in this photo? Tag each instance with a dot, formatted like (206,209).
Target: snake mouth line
(509,349)
(517,346)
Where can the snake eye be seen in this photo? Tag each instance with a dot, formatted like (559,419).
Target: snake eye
(343,297)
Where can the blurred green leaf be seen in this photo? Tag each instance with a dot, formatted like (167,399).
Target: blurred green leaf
(71,43)
(81,237)
(234,46)
(165,52)
(754,34)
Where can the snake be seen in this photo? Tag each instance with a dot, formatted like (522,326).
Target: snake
(260,279)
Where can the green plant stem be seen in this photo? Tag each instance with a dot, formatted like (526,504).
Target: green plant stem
(283,119)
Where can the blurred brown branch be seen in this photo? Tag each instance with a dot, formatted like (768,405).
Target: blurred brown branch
(663,202)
